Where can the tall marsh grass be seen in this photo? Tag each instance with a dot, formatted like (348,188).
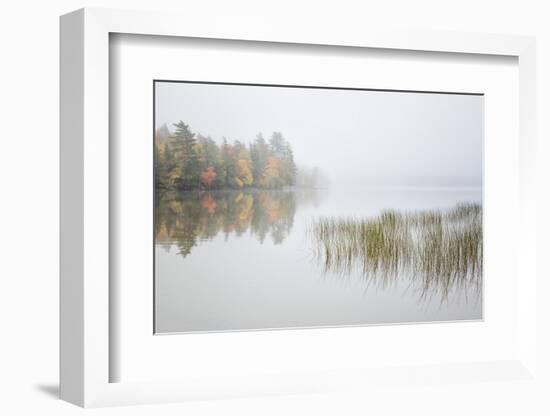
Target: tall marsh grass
(440,251)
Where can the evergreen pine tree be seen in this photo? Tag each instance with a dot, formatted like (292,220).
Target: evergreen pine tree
(185,155)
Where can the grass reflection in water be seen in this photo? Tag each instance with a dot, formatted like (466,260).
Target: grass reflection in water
(440,251)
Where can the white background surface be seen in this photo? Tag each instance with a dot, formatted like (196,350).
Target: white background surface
(29,175)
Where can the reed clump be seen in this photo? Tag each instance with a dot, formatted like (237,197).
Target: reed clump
(440,250)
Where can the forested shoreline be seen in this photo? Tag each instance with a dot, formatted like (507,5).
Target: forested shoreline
(185,160)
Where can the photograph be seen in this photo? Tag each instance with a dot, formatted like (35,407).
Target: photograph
(283,206)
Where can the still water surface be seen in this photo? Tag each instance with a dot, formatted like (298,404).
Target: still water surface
(230,260)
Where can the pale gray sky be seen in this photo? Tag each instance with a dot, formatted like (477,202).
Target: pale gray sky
(368,138)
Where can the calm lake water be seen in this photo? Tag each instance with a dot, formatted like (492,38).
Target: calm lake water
(232,260)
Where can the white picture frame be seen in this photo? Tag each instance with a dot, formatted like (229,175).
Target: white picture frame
(85,212)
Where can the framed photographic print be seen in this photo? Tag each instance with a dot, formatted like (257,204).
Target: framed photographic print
(354,207)
(290,207)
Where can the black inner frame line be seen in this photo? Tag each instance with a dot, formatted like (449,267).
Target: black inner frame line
(313,87)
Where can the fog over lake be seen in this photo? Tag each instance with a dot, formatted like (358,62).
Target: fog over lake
(365,137)
(364,207)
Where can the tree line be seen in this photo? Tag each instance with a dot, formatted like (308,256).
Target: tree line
(185,160)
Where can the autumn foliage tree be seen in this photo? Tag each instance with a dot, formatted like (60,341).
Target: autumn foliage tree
(208,176)
(187,161)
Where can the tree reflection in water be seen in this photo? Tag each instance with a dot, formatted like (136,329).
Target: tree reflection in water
(186,218)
